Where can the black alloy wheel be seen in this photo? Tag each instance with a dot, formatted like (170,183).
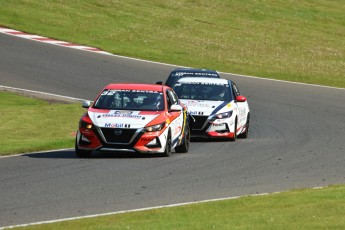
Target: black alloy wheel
(167,151)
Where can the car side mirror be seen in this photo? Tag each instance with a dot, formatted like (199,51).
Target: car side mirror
(176,108)
(159,83)
(86,104)
(241,98)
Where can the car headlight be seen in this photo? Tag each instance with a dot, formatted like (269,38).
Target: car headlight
(223,115)
(84,124)
(155,128)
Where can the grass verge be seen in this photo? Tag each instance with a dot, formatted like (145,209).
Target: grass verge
(299,209)
(293,40)
(29,124)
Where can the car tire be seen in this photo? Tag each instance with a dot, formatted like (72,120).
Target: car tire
(184,147)
(167,151)
(246,133)
(81,153)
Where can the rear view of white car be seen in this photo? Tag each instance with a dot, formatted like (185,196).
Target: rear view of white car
(217,108)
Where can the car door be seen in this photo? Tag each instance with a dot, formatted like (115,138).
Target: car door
(176,117)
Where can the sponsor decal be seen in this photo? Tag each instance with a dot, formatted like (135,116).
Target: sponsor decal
(242,111)
(219,124)
(127,114)
(177,130)
(113,91)
(197,104)
(196,113)
(205,83)
(116,125)
(195,74)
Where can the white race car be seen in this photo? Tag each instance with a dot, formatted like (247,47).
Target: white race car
(217,108)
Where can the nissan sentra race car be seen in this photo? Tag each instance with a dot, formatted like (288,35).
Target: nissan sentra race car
(217,108)
(144,118)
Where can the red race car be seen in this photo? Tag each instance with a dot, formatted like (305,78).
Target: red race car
(128,117)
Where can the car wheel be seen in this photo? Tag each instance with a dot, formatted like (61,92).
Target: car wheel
(235,131)
(81,153)
(184,147)
(167,151)
(245,134)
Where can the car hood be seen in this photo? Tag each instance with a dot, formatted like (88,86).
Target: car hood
(121,118)
(206,108)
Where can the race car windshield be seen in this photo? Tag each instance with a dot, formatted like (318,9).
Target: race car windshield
(199,91)
(175,76)
(141,100)
(195,74)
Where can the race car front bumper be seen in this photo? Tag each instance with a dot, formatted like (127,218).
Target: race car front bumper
(141,142)
(209,128)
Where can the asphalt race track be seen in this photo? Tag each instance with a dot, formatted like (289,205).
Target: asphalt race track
(297,140)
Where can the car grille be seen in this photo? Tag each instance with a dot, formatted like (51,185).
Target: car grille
(124,138)
(199,122)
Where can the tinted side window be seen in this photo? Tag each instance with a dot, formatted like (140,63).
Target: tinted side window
(235,89)
(175,97)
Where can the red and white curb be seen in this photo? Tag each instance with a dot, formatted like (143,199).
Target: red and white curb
(50,40)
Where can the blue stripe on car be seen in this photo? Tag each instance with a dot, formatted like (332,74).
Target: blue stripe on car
(215,111)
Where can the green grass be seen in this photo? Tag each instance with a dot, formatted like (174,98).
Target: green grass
(29,124)
(299,209)
(293,40)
